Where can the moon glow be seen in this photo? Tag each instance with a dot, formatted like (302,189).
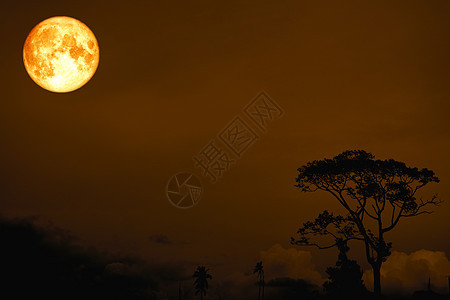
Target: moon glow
(61,54)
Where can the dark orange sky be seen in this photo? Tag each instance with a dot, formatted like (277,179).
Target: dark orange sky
(172,74)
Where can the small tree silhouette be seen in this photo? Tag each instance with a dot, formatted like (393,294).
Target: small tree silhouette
(201,280)
(259,270)
(376,194)
(345,278)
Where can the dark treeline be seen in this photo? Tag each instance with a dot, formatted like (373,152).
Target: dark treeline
(44,263)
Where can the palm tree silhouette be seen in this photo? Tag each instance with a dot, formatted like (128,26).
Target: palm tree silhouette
(259,270)
(201,280)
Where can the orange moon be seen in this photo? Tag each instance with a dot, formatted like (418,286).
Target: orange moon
(61,54)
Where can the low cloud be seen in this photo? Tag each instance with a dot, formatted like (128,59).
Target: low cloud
(48,262)
(405,273)
(286,270)
(160,239)
(164,240)
(282,262)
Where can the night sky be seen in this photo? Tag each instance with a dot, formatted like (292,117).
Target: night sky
(172,74)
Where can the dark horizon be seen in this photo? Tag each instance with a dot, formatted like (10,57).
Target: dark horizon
(50,261)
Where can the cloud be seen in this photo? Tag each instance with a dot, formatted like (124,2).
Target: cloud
(405,273)
(285,270)
(292,263)
(160,239)
(164,240)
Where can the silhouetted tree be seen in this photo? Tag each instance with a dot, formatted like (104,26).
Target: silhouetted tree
(201,280)
(259,271)
(376,194)
(345,278)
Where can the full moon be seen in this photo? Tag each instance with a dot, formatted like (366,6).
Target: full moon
(61,54)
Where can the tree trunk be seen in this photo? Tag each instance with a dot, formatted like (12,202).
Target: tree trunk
(259,290)
(377,279)
(263,283)
(259,287)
